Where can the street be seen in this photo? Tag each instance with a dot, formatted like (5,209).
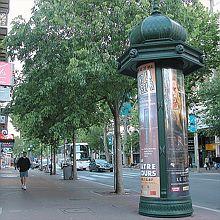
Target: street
(90,197)
(204,187)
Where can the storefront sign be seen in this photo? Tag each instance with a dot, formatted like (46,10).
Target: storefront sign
(5,73)
(210,147)
(149,149)
(5,94)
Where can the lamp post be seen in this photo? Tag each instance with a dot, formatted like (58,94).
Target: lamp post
(159,58)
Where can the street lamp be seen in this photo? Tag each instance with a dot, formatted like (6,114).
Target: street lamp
(159,58)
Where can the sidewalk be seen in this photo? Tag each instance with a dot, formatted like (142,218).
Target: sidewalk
(50,198)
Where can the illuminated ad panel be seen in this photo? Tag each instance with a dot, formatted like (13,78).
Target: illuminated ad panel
(176,133)
(5,94)
(149,149)
(5,74)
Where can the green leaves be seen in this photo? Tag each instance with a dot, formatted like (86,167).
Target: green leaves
(69,49)
(209,93)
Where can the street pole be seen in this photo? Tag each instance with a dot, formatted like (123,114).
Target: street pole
(125,138)
(211,6)
(64,153)
(0,156)
(41,157)
(196,151)
(113,161)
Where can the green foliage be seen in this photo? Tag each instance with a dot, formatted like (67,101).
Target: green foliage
(48,102)
(27,145)
(69,49)
(132,143)
(210,98)
(94,137)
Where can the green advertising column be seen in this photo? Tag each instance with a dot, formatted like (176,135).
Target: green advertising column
(159,58)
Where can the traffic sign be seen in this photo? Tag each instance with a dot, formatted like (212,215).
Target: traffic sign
(192,123)
(5,132)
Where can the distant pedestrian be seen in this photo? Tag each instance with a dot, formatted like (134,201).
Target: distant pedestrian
(207,165)
(190,161)
(23,166)
(210,162)
(15,163)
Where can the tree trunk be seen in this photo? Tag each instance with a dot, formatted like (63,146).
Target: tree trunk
(73,157)
(105,143)
(119,188)
(41,157)
(54,159)
(50,162)
(125,159)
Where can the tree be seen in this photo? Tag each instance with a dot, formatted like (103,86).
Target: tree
(94,137)
(82,40)
(203,33)
(46,102)
(105,31)
(209,94)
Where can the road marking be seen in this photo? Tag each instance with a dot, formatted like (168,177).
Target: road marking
(131,174)
(0,210)
(103,184)
(205,179)
(104,177)
(202,207)
(87,178)
(8,175)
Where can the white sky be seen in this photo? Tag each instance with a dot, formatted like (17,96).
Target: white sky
(18,7)
(23,7)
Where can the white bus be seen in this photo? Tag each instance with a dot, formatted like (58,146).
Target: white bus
(82,156)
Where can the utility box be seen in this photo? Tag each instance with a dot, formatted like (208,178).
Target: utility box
(67,172)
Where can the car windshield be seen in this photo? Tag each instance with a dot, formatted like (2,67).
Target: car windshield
(101,161)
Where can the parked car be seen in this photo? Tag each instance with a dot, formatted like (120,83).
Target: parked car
(35,164)
(100,165)
(216,162)
(83,164)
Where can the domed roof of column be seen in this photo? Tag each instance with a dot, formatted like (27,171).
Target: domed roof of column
(157,27)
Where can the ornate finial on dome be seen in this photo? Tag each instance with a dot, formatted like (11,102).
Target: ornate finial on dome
(155,7)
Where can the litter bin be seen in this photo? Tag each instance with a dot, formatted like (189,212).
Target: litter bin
(67,171)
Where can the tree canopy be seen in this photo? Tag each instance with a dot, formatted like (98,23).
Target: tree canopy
(69,49)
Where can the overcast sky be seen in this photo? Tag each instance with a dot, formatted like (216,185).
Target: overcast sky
(20,7)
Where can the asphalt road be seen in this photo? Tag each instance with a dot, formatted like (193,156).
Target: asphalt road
(204,187)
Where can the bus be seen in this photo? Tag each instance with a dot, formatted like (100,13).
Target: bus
(82,156)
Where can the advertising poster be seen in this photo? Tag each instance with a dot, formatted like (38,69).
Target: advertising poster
(5,94)
(149,149)
(5,73)
(176,133)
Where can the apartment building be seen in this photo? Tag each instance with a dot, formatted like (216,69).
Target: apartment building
(213,5)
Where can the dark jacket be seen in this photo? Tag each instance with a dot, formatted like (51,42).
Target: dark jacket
(23,164)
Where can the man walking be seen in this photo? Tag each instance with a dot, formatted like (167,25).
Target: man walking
(23,166)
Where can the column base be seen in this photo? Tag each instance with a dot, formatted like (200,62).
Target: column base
(166,208)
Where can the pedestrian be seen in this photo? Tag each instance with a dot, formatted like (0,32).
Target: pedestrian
(207,163)
(15,163)
(210,162)
(190,161)
(23,166)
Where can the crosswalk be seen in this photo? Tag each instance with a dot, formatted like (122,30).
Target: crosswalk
(97,176)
